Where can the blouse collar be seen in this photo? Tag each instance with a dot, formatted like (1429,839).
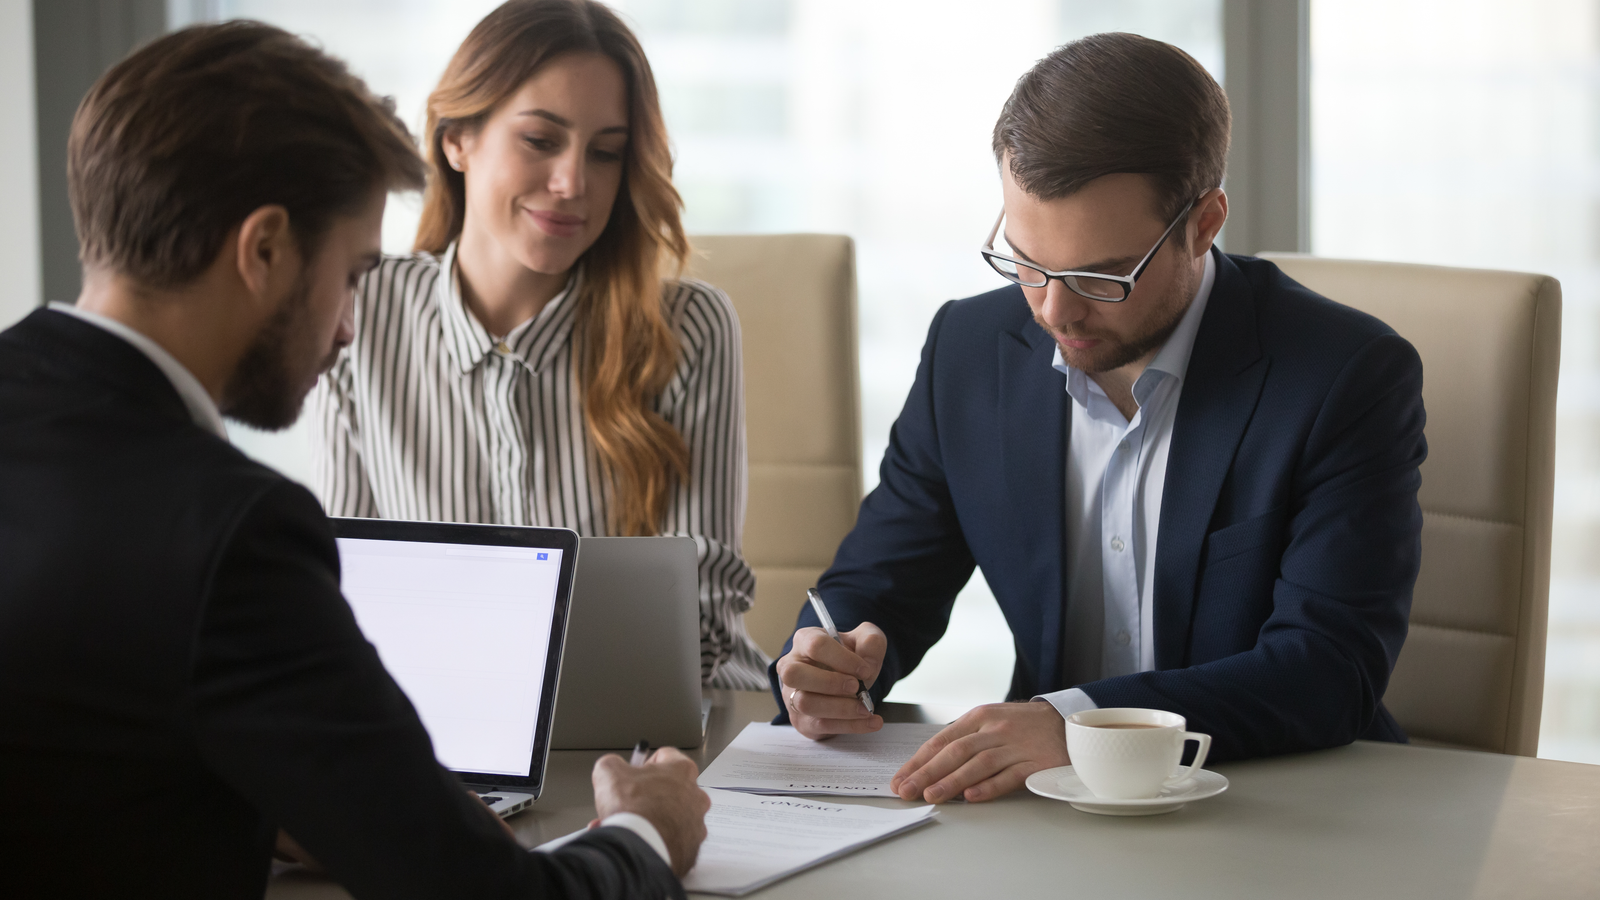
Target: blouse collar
(535,343)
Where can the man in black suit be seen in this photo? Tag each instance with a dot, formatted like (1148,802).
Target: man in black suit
(179,675)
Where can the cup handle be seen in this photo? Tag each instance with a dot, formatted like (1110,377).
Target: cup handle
(1204,740)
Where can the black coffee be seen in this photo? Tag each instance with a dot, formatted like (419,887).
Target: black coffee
(1127,725)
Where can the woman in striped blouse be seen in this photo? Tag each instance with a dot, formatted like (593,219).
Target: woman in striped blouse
(534,362)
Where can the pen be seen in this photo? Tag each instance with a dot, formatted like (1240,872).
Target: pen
(641,753)
(833,632)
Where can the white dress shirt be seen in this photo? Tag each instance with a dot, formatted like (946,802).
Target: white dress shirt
(641,826)
(1116,472)
(204,412)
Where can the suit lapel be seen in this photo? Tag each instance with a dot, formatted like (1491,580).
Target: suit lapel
(1220,390)
(1033,436)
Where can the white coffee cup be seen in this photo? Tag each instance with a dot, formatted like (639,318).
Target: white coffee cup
(1131,754)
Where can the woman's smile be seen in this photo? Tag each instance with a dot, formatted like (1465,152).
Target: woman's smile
(556,224)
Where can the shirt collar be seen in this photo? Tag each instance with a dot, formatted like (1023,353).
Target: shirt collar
(1171,361)
(535,343)
(202,409)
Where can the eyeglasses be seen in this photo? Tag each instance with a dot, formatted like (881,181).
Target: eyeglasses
(1095,286)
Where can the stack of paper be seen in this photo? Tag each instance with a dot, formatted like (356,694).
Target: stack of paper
(754,840)
(755,837)
(776,759)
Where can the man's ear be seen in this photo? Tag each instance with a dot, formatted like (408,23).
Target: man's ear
(267,256)
(1207,219)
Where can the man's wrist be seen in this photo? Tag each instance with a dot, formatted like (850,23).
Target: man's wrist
(641,826)
(1069,701)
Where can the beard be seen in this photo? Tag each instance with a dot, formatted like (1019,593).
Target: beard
(1113,353)
(269,386)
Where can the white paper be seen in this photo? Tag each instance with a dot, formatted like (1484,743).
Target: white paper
(555,844)
(776,759)
(753,840)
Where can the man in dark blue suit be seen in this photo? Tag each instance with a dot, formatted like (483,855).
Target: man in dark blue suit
(1190,482)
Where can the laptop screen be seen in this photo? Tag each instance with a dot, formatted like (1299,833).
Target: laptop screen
(465,630)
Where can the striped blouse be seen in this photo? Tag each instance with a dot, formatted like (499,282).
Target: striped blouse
(426,416)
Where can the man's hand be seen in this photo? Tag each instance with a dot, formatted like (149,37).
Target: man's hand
(819,679)
(988,752)
(287,849)
(662,790)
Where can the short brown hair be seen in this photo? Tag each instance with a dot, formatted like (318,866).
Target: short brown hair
(175,145)
(1112,103)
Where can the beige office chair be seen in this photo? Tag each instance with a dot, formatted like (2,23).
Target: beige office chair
(1472,670)
(796,299)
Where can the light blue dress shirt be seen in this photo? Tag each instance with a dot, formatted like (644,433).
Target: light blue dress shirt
(1116,472)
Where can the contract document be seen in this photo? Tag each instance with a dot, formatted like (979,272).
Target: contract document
(776,759)
(754,840)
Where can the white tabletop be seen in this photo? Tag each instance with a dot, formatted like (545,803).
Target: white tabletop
(1369,820)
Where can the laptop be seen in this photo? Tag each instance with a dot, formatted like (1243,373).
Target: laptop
(632,669)
(470,620)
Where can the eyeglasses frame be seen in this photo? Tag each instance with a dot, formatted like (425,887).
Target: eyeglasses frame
(1126,281)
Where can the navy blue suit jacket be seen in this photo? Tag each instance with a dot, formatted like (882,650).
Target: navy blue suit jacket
(1289,537)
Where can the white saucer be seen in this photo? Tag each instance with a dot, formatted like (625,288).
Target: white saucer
(1063,784)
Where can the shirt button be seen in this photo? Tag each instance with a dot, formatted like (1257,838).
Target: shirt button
(1117,544)
(501,348)
(1123,638)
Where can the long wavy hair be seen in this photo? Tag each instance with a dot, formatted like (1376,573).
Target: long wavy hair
(626,348)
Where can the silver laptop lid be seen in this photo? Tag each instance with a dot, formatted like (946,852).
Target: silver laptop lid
(632,669)
(470,621)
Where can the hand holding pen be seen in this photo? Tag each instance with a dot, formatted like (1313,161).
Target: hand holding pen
(660,786)
(823,679)
(833,632)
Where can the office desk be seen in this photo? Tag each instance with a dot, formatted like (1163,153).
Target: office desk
(1369,820)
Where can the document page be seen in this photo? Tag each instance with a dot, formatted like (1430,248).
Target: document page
(776,759)
(752,841)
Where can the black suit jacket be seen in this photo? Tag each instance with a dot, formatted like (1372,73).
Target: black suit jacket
(179,675)
(1289,538)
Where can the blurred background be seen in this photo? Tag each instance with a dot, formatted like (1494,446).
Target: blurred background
(1462,133)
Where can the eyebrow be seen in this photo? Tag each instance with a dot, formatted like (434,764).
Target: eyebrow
(1098,266)
(565,122)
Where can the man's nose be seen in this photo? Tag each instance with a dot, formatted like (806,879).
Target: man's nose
(346,332)
(1063,307)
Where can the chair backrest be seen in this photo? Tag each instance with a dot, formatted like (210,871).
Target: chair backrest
(796,299)
(1472,670)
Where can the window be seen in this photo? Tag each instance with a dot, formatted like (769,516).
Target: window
(1470,137)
